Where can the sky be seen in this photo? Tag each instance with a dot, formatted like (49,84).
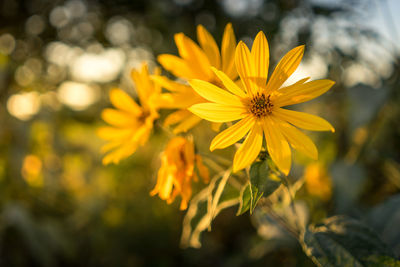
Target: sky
(385,24)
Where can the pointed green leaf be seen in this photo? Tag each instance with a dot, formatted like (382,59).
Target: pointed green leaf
(245,200)
(341,241)
(262,182)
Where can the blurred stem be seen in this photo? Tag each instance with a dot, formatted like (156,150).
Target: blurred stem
(292,206)
(165,129)
(220,159)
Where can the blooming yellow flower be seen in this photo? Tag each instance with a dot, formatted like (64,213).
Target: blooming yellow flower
(259,106)
(318,181)
(130,124)
(177,171)
(194,62)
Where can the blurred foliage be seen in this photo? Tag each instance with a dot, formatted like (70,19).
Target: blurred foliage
(60,207)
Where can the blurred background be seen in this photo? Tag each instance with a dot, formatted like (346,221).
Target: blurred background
(59,206)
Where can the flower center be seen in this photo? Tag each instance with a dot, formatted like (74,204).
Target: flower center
(142,118)
(260,105)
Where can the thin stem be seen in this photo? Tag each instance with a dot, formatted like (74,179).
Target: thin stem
(288,187)
(221,160)
(166,130)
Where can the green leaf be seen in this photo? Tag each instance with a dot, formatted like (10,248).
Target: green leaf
(387,227)
(341,241)
(245,200)
(261,182)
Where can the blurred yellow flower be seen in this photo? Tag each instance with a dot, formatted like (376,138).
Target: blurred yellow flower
(32,170)
(258,108)
(177,171)
(318,181)
(194,62)
(131,124)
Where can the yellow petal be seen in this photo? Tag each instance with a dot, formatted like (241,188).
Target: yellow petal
(277,145)
(303,120)
(302,92)
(244,66)
(176,117)
(286,66)
(209,46)
(164,181)
(214,94)
(176,66)
(143,84)
(187,124)
(232,134)
(129,146)
(120,153)
(195,58)
(169,84)
(260,57)
(228,83)
(228,52)
(249,150)
(280,92)
(297,139)
(123,101)
(178,100)
(217,112)
(109,133)
(111,145)
(118,118)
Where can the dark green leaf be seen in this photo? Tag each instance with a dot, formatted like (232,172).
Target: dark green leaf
(389,226)
(341,241)
(261,182)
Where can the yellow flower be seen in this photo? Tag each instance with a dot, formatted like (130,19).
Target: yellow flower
(194,62)
(130,124)
(178,170)
(259,106)
(318,181)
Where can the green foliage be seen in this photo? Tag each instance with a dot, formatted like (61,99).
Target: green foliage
(245,199)
(341,241)
(263,182)
(387,227)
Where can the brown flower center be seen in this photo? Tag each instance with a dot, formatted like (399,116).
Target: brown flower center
(142,118)
(260,105)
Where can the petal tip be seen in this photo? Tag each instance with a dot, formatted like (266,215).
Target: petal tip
(260,34)
(235,169)
(286,172)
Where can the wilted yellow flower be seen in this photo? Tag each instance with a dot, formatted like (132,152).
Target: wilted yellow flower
(194,62)
(131,124)
(177,171)
(258,108)
(318,181)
